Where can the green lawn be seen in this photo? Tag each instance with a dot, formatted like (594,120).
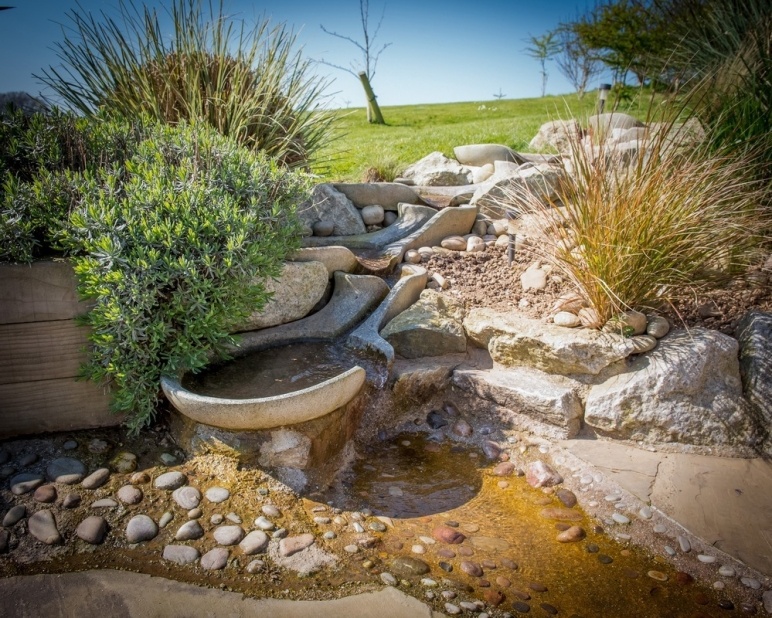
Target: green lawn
(413,131)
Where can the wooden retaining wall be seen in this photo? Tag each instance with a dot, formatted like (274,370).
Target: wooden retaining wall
(41,348)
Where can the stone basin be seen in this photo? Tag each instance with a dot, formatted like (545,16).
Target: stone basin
(266,412)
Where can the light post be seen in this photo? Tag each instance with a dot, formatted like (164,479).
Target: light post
(603,96)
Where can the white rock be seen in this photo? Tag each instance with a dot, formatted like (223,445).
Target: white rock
(657,326)
(454,243)
(373,214)
(557,134)
(566,319)
(328,204)
(475,244)
(533,278)
(435,169)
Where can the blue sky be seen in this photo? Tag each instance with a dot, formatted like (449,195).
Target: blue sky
(440,51)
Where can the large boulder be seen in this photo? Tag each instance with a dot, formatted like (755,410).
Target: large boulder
(516,341)
(430,327)
(755,338)
(499,194)
(687,390)
(387,194)
(300,286)
(557,134)
(328,204)
(436,169)
(333,257)
(478,155)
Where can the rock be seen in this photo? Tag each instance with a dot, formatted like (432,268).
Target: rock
(566,496)
(14,515)
(167,459)
(569,302)
(265,524)
(215,559)
(412,257)
(389,218)
(541,474)
(373,214)
(189,531)
(687,390)
(454,243)
(516,341)
(71,501)
(432,326)
(323,227)
(180,554)
(560,514)
(98,446)
(25,483)
(766,599)
(684,543)
(505,468)
(66,470)
(480,227)
(45,494)
(471,568)
(481,155)
(104,503)
(328,204)
(124,462)
(643,343)
(437,170)
(96,479)
(571,535)
(228,535)
(566,319)
(28,459)
(187,497)
(462,428)
(657,326)
(542,181)
(299,287)
(166,519)
(533,278)
(217,495)
(294,544)
(170,480)
(755,339)
(475,244)
(408,566)
(255,542)
(557,134)
(589,318)
(387,194)
(129,494)
(333,258)
(601,125)
(141,528)
(627,324)
(42,526)
(446,534)
(92,529)
(620,519)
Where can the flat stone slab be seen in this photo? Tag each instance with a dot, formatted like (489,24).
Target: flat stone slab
(386,194)
(334,258)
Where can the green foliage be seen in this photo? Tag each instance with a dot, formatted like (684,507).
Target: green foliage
(249,84)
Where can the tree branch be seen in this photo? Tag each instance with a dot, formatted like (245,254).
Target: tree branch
(345,38)
(336,66)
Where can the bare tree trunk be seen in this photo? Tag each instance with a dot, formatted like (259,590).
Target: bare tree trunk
(374,114)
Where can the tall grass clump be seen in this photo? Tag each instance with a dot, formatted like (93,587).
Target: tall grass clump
(248,83)
(674,222)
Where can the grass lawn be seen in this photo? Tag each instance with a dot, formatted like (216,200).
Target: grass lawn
(413,131)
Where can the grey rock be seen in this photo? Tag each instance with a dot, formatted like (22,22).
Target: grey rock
(66,470)
(215,559)
(228,535)
(28,459)
(557,134)
(333,258)
(326,203)
(25,483)
(167,459)
(140,528)
(42,526)
(98,446)
(92,529)
(684,543)
(766,599)
(104,503)
(217,494)
(96,479)
(170,480)
(14,515)
(387,194)
(755,338)
(187,497)
(485,154)
(407,566)
(70,445)
(129,494)
(294,544)
(180,554)
(71,501)
(189,531)
(373,214)
(6,471)
(435,169)
(323,228)
(269,510)
(497,195)
(566,319)
(389,218)
(657,326)
(264,523)
(166,518)
(254,543)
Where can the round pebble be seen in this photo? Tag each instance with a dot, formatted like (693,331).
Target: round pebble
(418,549)
(377,526)
(521,606)
(726,571)
(189,531)
(129,494)
(42,526)
(187,497)
(269,510)
(45,494)
(66,470)
(604,559)
(71,501)
(645,512)
(620,519)
(255,566)
(92,529)
(14,515)
(215,559)
(657,575)
(706,559)
(28,459)
(70,445)
(659,529)
(233,517)
(96,479)
(217,494)
(329,535)
(684,543)
(550,609)
(352,549)
(139,478)
(170,480)
(388,579)
(140,528)
(319,520)
(719,585)
(750,582)
(165,519)
(452,609)
(104,503)
(25,483)
(180,554)
(228,535)
(254,543)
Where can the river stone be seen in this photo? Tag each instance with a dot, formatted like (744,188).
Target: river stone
(66,470)
(755,338)
(25,483)
(541,474)
(228,535)
(517,341)
(437,170)
(71,501)
(533,278)
(187,497)
(432,326)
(566,319)
(294,544)
(571,535)
(333,258)
(471,568)
(505,468)
(541,180)
(124,462)
(407,566)
(45,494)
(489,544)
(643,343)
(14,515)
(215,559)
(323,227)
(657,326)
(328,204)
(104,503)
(480,155)
(180,554)
(217,494)
(453,243)
(446,534)
(96,479)
(254,543)
(170,480)
(129,494)
(42,526)
(141,528)
(686,390)
(92,529)
(189,531)
(566,496)
(556,134)
(297,290)
(372,214)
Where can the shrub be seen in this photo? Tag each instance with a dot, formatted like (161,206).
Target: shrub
(249,84)
(172,247)
(675,221)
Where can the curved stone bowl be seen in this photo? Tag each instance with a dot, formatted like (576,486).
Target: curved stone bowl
(266,412)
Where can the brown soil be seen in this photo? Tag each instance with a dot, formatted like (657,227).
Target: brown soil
(487,280)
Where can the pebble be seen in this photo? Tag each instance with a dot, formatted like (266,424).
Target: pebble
(727,571)
(670,551)
(491,450)
(657,575)
(766,599)
(469,606)
(550,609)
(42,526)
(293,544)
(233,517)
(45,494)
(317,520)
(541,474)
(187,497)
(124,462)
(684,543)
(470,568)
(104,503)
(465,551)
(452,609)
(330,535)
(503,582)
(566,496)
(170,480)
(564,318)
(140,528)
(428,582)
(623,537)
(706,559)
(750,582)
(726,604)
(92,529)
(7,471)
(592,548)
(215,559)
(462,428)
(263,491)
(28,459)
(560,513)
(189,531)
(407,565)
(5,456)
(571,535)
(71,501)
(377,526)
(66,470)
(446,553)
(14,515)
(503,484)
(139,478)
(659,529)
(388,579)
(358,527)
(645,512)
(25,483)
(265,524)
(620,519)
(604,559)
(509,564)
(612,498)
(180,554)
(657,326)
(217,494)
(446,534)
(228,535)
(70,445)
(96,479)
(269,510)
(446,566)
(521,606)
(352,549)
(167,459)
(254,543)
(719,585)
(418,549)
(129,494)
(505,468)
(255,566)
(166,518)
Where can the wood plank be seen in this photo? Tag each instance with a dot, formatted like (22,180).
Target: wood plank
(53,405)
(41,350)
(38,292)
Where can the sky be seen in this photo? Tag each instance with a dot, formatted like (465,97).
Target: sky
(440,50)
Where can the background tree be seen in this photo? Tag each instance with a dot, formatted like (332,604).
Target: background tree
(543,48)
(364,71)
(499,96)
(575,60)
